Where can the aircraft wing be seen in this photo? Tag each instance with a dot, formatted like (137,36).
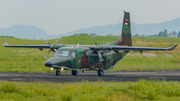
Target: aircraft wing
(57,46)
(129,48)
(117,48)
(92,47)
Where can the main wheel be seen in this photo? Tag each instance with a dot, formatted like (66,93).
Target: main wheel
(58,73)
(100,72)
(74,72)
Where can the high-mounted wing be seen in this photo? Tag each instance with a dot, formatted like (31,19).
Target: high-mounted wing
(92,47)
(55,46)
(128,48)
(143,48)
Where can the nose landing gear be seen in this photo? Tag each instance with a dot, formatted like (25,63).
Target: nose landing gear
(58,73)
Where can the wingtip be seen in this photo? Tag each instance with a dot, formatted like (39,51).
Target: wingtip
(172,48)
(5,43)
(175,46)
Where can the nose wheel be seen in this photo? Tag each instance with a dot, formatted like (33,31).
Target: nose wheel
(100,72)
(74,72)
(58,73)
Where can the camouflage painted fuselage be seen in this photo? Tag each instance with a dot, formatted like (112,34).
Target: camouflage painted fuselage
(84,59)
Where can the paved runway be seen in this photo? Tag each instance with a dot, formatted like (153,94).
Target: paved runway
(123,76)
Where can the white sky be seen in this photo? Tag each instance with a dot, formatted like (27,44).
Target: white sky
(62,16)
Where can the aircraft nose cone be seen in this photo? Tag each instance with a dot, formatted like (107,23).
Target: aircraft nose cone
(48,64)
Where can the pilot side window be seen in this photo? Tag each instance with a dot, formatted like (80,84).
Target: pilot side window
(71,54)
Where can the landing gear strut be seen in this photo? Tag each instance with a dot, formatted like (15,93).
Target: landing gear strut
(100,72)
(74,72)
(58,73)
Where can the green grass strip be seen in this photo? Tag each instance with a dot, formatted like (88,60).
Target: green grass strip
(91,91)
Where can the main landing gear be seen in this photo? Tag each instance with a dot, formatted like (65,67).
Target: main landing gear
(74,72)
(100,72)
(58,73)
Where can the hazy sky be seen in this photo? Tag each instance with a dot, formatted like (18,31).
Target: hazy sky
(62,16)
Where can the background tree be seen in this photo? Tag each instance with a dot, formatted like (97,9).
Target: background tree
(162,34)
(179,34)
(136,34)
(165,31)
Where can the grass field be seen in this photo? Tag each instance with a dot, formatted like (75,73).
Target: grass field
(91,91)
(32,60)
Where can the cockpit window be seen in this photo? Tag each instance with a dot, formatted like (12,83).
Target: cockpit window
(65,54)
(61,53)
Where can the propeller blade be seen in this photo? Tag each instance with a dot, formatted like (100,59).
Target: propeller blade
(47,42)
(100,57)
(57,41)
(94,40)
(47,54)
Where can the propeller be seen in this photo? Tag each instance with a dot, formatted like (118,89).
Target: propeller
(47,42)
(47,54)
(51,49)
(56,41)
(98,52)
(100,57)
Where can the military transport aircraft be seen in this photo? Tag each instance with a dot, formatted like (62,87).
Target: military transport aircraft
(91,57)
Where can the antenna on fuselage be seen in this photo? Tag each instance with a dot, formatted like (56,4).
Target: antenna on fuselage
(78,45)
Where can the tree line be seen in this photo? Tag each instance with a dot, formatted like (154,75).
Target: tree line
(162,34)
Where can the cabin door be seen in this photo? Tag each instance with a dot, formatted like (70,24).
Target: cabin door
(78,59)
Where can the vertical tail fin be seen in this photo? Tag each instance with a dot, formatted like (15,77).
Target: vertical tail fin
(125,39)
